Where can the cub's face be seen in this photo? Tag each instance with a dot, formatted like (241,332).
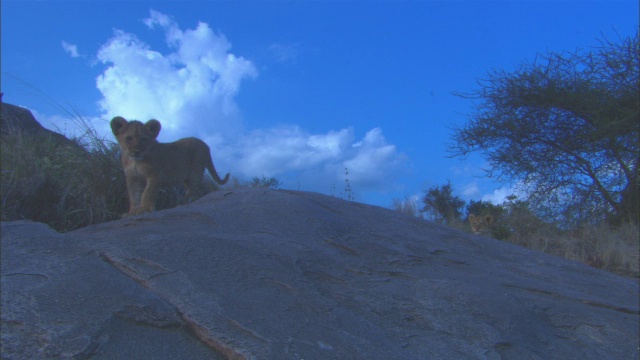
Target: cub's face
(479,224)
(134,137)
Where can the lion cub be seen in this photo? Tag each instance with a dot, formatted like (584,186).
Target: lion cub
(480,224)
(149,165)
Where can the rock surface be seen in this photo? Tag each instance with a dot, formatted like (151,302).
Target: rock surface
(266,274)
(17,120)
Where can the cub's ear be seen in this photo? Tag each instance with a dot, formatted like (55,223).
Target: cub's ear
(488,219)
(153,126)
(118,123)
(472,217)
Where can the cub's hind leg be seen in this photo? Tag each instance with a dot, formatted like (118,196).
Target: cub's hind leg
(195,186)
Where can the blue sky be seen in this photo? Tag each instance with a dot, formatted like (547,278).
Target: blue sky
(296,90)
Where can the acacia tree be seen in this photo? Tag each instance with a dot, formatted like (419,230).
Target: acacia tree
(566,127)
(441,205)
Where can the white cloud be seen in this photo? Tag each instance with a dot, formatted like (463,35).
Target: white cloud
(320,160)
(499,196)
(373,162)
(192,92)
(193,87)
(71,49)
(279,150)
(470,190)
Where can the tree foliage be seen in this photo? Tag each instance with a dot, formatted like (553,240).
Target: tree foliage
(567,127)
(484,208)
(441,205)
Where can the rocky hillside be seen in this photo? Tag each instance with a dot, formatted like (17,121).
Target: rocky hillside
(18,120)
(266,274)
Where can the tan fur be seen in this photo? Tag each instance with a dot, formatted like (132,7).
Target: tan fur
(480,224)
(149,165)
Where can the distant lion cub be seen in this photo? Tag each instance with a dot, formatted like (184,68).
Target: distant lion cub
(480,224)
(149,165)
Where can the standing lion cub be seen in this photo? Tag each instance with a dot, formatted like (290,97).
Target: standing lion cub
(149,165)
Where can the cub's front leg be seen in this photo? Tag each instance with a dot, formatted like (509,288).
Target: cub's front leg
(135,188)
(149,196)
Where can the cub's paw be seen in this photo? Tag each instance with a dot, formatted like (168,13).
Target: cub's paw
(142,210)
(136,211)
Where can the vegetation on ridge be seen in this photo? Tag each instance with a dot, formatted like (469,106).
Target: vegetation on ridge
(566,130)
(612,248)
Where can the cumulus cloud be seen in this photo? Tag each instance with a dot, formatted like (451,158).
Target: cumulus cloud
(279,150)
(373,160)
(192,91)
(192,87)
(321,160)
(71,49)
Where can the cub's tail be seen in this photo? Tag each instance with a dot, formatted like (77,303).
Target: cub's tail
(214,173)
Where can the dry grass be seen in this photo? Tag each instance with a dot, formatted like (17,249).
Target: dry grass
(409,205)
(613,249)
(65,185)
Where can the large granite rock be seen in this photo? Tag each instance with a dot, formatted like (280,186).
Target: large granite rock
(16,120)
(266,274)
